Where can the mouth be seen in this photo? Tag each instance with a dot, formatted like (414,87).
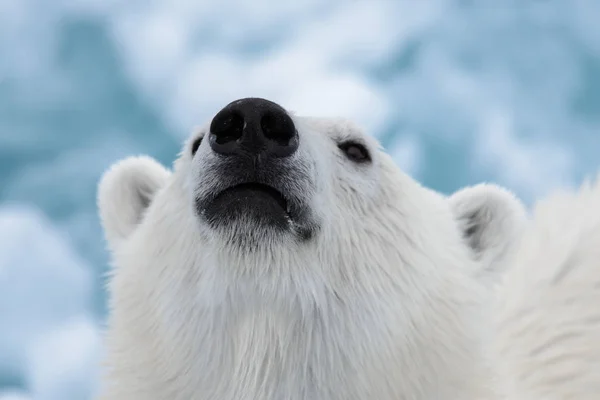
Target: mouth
(252,191)
(261,204)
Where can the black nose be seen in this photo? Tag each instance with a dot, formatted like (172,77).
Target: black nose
(253,126)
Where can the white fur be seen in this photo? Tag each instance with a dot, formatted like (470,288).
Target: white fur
(125,192)
(548,315)
(386,302)
(493,219)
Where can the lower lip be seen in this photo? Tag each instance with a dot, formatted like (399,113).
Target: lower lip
(249,202)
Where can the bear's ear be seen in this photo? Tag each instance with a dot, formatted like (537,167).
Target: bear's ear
(491,220)
(125,192)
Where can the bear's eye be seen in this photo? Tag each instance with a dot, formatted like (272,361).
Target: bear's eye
(195,145)
(355,151)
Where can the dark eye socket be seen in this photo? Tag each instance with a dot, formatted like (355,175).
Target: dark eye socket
(355,151)
(195,145)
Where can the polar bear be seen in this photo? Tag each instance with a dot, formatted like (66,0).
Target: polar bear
(288,258)
(547,318)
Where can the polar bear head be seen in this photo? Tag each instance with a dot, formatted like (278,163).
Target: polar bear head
(271,224)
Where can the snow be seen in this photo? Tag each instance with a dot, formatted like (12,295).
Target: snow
(48,337)
(14,395)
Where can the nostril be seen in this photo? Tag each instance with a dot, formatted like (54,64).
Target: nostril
(253,126)
(278,127)
(227,127)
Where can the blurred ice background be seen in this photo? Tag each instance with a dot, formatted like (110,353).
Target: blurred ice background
(458,91)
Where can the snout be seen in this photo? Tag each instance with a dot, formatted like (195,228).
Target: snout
(251,185)
(253,127)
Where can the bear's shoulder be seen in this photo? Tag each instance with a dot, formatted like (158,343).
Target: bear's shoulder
(548,315)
